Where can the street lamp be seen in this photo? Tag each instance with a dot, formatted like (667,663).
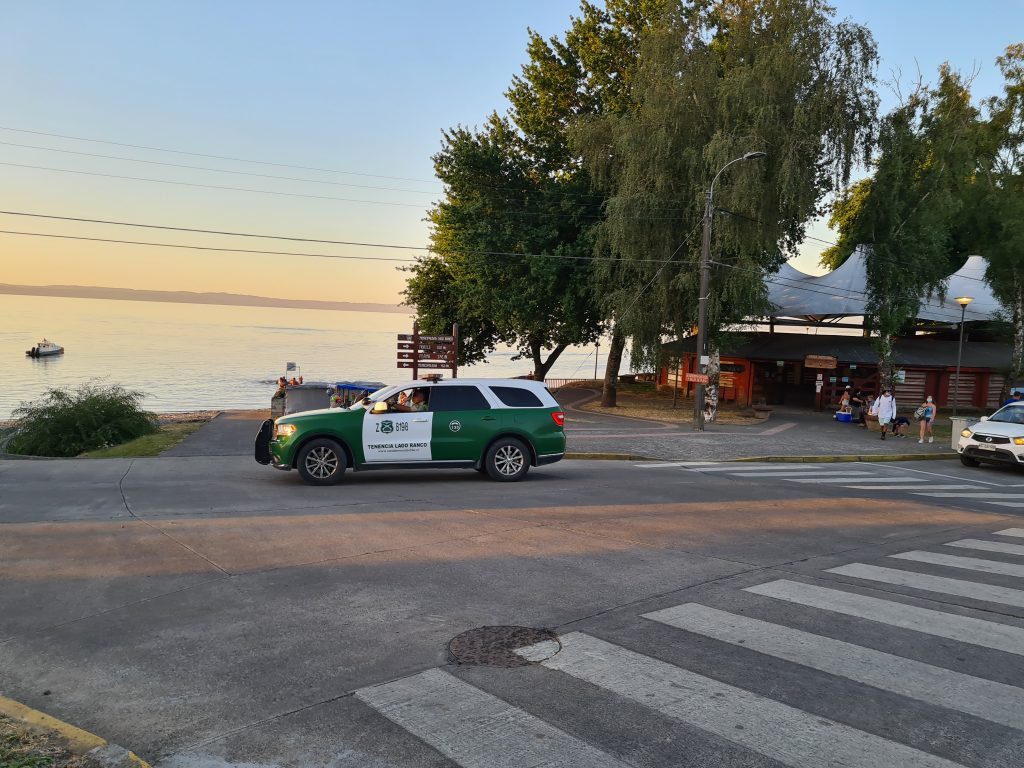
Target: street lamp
(705,280)
(963,301)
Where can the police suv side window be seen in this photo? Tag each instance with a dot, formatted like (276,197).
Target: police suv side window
(457,398)
(517,397)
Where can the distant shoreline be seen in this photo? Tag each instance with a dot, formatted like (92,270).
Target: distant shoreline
(189,297)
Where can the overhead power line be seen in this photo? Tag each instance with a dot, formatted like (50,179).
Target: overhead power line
(214,157)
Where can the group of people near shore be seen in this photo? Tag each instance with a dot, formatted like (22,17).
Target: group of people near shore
(861,406)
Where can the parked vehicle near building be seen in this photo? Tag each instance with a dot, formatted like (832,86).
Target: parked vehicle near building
(500,427)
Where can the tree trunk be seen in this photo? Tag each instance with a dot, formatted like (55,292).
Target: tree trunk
(886,372)
(541,367)
(1017,314)
(611,369)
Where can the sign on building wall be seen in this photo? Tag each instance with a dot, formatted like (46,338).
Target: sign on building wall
(821,361)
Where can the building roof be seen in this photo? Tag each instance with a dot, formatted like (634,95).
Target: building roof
(918,352)
(843,292)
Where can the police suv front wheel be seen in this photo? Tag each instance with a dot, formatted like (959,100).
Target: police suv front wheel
(507,460)
(321,462)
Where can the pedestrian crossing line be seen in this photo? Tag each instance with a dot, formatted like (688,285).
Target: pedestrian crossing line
(891,488)
(974,495)
(967,563)
(965,629)
(760,468)
(474,728)
(1018,532)
(988,546)
(947,586)
(887,480)
(786,734)
(786,474)
(664,464)
(989,700)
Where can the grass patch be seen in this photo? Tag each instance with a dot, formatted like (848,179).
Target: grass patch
(168,436)
(22,747)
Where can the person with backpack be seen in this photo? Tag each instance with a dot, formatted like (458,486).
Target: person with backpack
(885,410)
(926,415)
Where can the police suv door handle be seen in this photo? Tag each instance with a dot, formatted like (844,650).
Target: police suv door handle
(488,418)
(420,420)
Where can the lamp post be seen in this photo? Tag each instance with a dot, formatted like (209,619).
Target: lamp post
(705,280)
(963,301)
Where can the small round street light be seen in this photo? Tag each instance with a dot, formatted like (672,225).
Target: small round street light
(963,301)
(705,280)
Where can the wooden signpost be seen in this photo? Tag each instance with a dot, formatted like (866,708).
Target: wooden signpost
(418,351)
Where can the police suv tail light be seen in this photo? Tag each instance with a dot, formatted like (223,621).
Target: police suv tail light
(559,418)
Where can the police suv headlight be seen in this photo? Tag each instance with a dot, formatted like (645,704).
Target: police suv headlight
(285,430)
(966,433)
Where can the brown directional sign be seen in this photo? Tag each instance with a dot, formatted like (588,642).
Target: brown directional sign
(697,378)
(421,337)
(450,357)
(425,346)
(421,364)
(821,361)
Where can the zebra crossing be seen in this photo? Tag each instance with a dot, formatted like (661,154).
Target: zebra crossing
(477,728)
(863,477)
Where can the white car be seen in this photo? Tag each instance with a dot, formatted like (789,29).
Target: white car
(996,439)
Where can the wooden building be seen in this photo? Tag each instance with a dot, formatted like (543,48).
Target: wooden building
(779,369)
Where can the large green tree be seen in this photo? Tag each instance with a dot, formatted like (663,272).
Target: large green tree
(714,81)
(1002,204)
(914,211)
(512,239)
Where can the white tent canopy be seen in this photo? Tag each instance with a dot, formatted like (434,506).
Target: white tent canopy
(843,292)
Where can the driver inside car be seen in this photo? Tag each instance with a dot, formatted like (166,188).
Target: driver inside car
(418,402)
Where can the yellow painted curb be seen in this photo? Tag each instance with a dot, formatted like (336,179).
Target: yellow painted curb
(79,741)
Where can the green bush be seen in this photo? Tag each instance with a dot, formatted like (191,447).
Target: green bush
(67,423)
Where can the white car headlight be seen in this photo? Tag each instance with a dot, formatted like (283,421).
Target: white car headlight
(1018,441)
(966,433)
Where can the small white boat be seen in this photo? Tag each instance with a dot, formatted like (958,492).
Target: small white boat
(45,349)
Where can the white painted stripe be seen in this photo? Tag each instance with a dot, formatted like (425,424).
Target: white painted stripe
(986,699)
(888,480)
(975,590)
(780,467)
(1011,504)
(967,563)
(783,733)
(475,729)
(978,495)
(1018,532)
(789,474)
(965,629)
(988,546)
(890,488)
(675,464)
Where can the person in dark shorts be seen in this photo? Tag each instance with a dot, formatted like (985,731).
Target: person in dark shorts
(900,425)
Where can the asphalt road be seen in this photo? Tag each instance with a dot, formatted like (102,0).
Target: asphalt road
(207,611)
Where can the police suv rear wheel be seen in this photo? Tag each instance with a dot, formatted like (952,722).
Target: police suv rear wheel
(321,462)
(507,460)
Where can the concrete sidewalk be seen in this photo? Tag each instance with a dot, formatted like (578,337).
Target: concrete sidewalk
(230,433)
(789,432)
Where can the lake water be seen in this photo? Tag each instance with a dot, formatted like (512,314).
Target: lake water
(195,356)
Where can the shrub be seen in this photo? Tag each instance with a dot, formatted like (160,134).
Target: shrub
(65,423)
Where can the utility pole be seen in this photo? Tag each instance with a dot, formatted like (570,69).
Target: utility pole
(705,289)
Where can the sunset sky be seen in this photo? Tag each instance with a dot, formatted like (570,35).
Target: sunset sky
(364,88)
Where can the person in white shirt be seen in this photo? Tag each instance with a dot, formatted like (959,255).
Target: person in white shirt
(885,409)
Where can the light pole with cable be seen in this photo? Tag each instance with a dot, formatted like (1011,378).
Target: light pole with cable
(705,287)
(963,301)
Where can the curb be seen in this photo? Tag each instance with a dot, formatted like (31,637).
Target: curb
(609,457)
(99,750)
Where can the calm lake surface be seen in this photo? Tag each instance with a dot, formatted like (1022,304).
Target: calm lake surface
(195,356)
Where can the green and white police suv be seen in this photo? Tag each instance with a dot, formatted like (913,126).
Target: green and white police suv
(498,426)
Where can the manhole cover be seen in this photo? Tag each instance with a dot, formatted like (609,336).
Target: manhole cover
(496,646)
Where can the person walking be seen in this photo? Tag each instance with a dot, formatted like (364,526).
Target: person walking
(925,416)
(885,409)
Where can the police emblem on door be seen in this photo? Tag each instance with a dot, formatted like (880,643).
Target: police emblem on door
(387,427)
(454,426)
